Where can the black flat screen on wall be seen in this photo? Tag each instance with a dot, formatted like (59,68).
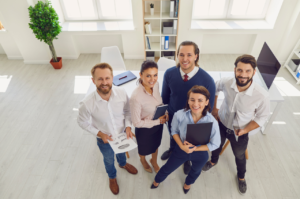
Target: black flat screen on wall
(268,65)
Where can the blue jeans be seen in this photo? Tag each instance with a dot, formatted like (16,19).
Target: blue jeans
(177,158)
(109,158)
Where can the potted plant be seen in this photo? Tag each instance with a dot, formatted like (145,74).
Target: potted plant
(45,25)
(152,9)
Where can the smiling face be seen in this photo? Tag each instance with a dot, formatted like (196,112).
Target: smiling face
(197,103)
(244,73)
(149,77)
(187,58)
(103,80)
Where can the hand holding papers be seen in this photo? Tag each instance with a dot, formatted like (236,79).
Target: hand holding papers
(121,144)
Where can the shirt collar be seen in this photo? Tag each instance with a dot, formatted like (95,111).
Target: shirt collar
(249,90)
(189,114)
(188,74)
(141,85)
(99,98)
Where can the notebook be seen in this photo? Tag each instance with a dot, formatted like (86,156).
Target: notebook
(199,134)
(160,111)
(123,78)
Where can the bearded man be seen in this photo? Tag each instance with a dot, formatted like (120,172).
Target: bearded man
(104,113)
(246,107)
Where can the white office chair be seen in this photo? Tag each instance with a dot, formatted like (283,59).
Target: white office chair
(113,57)
(164,63)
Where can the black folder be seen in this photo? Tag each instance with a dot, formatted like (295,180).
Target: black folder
(199,134)
(160,111)
(123,78)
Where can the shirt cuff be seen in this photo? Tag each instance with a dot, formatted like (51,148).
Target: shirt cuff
(260,122)
(94,131)
(210,147)
(157,122)
(217,93)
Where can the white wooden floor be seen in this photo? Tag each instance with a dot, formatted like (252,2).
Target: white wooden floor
(44,153)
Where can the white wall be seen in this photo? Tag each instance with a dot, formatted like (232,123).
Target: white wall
(9,46)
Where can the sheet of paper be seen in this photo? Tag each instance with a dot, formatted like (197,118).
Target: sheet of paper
(121,144)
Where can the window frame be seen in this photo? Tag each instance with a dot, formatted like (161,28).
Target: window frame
(227,10)
(98,13)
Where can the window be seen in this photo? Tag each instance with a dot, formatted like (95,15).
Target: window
(96,9)
(230,9)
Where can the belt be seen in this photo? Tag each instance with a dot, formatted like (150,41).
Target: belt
(229,131)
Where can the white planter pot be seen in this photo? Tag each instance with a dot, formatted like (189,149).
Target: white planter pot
(152,11)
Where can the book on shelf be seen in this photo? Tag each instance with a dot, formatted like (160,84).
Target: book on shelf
(176,8)
(162,43)
(175,26)
(148,28)
(172,6)
(166,42)
(149,43)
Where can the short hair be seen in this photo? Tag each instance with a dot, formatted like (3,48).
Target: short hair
(101,66)
(196,50)
(246,59)
(146,65)
(201,90)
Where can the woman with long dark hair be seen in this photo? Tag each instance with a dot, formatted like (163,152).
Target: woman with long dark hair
(196,111)
(143,102)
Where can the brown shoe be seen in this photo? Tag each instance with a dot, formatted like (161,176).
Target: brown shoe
(113,185)
(131,169)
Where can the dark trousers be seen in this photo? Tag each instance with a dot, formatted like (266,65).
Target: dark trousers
(238,149)
(177,158)
(172,141)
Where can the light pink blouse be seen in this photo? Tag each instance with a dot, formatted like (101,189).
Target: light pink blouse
(143,106)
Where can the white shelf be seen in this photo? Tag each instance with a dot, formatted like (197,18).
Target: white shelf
(171,47)
(155,46)
(292,72)
(155,32)
(173,35)
(149,16)
(297,53)
(166,15)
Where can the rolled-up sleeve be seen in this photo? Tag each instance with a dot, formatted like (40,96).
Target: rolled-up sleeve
(215,138)
(220,85)
(136,109)
(84,119)
(175,125)
(262,112)
(127,113)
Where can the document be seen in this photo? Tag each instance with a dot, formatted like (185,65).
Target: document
(160,111)
(121,144)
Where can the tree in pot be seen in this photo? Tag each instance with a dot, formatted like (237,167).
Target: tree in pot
(45,25)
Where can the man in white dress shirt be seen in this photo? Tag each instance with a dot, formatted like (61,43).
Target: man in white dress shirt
(106,113)
(246,107)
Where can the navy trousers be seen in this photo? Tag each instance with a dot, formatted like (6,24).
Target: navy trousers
(172,141)
(177,158)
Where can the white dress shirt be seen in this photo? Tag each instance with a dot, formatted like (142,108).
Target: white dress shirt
(110,117)
(240,108)
(190,74)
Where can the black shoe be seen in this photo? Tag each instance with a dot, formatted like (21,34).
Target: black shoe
(185,190)
(187,167)
(166,155)
(242,186)
(153,186)
(208,166)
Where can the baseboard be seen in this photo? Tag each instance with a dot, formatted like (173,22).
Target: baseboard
(133,57)
(37,61)
(14,57)
(70,57)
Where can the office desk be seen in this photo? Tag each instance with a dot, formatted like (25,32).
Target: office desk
(275,96)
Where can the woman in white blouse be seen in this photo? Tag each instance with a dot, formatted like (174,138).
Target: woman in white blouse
(143,102)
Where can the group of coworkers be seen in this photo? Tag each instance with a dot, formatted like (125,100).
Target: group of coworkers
(191,95)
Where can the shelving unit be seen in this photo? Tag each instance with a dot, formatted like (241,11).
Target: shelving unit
(161,14)
(295,55)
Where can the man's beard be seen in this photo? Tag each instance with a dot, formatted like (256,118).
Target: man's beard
(243,84)
(106,91)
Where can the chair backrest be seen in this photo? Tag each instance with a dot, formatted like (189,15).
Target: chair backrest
(113,57)
(165,63)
